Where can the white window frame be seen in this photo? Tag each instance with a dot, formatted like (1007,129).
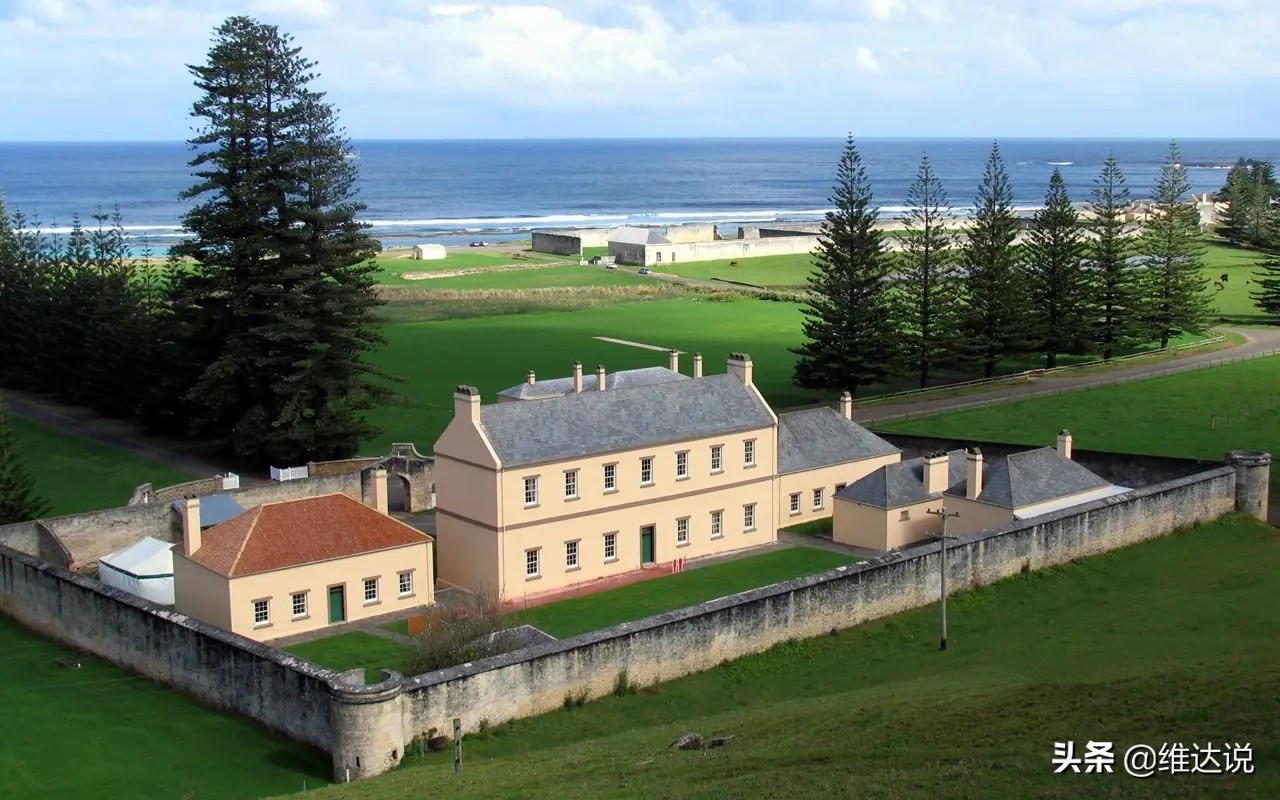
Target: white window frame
(682,532)
(401,583)
(294,597)
(610,546)
(717,458)
(748,517)
(531,491)
(533,558)
(717,524)
(795,503)
(371,584)
(262,612)
(682,465)
(611,477)
(646,468)
(571,484)
(819,499)
(573,555)
(749,452)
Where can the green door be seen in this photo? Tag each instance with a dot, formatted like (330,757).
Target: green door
(646,544)
(337,605)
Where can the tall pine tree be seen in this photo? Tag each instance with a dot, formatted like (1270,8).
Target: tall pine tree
(1116,323)
(993,313)
(926,290)
(1267,296)
(1174,300)
(279,309)
(852,337)
(1059,284)
(18,499)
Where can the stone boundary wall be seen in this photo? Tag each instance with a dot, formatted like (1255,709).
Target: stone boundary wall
(228,672)
(1124,469)
(743,248)
(321,469)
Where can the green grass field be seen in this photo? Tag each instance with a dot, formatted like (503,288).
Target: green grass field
(355,650)
(783,270)
(1168,641)
(393,265)
(60,461)
(105,733)
(542,277)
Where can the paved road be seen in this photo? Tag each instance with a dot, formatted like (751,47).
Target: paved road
(1261,340)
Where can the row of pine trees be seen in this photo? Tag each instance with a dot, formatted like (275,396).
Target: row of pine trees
(1063,284)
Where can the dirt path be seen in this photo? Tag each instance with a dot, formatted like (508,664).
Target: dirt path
(1260,340)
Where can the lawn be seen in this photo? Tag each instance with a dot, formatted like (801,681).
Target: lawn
(1200,414)
(392,266)
(102,732)
(780,270)
(62,464)
(1233,301)
(568,275)
(355,650)
(1168,641)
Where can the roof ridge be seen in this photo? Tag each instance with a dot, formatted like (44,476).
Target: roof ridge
(257,515)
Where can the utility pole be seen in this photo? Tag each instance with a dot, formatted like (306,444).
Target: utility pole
(942,512)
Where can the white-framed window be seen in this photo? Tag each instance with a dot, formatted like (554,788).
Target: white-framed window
(658,253)
(571,554)
(611,547)
(406,583)
(682,530)
(717,524)
(646,471)
(749,517)
(817,499)
(531,491)
(795,503)
(532,568)
(749,453)
(904,515)
(571,484)
(298,600)
(610,477)
(262,612)
(371,590)
(717,458)
(682,464)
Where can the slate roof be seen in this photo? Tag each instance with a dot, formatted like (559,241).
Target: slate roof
(291,533)
(214,508)
(631,235)
(1031,477)
(821,437)
(623,379)
(901,484)
(577,425)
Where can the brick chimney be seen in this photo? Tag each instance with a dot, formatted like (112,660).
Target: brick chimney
(466,404)
(673,360)
(697,365)
(937,470)
(532,379)
(577,377)
(846,405)
(740,366)
(378,490)
(1064,443)
(973,474)
(191,539)
(600,378)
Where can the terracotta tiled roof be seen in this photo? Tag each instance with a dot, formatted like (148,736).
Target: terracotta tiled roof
(295,532)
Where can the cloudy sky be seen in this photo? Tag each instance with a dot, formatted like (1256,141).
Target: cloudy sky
(115,69)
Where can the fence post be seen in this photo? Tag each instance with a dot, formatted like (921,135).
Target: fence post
(457,744)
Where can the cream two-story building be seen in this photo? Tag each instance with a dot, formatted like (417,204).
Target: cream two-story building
(575,479)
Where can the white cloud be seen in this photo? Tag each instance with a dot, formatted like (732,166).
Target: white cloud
(882,9)
(310,9)
(867,61)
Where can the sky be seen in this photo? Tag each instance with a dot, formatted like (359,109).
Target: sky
(407,69)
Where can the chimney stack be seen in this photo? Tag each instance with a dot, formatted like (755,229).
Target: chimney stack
(600,382)
(740,366)
(673,359)
(532,378)
(1064,443)
(466,404)
(577,377)
(973,474)
(697,365)
(378,490)
(191,540)
(937,471)
(846,406)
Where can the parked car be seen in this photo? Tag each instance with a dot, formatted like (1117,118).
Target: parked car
(479,244)
(646,271)
(610,266)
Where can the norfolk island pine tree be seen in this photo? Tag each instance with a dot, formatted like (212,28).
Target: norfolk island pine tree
(1116,300)
(1060,285)
(18,499)
(925,295)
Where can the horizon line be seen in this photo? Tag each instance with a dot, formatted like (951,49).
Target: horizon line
(816,138)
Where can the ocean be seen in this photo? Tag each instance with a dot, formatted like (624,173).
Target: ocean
(457,191)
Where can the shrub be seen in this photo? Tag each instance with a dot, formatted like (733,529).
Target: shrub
(622,684)
(455,635)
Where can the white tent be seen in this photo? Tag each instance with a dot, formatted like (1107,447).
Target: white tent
(144,569)
(428,252)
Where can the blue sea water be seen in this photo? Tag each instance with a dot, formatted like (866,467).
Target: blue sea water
(454,191)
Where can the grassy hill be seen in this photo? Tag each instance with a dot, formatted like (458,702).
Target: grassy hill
(1169,641)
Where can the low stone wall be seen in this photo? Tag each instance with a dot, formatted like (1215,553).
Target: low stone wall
(744,248)
(320,469)
(1124,469)
(561,244)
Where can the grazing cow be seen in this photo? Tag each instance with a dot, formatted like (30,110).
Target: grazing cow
(733,263)
(1224,277)
(1218,284)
